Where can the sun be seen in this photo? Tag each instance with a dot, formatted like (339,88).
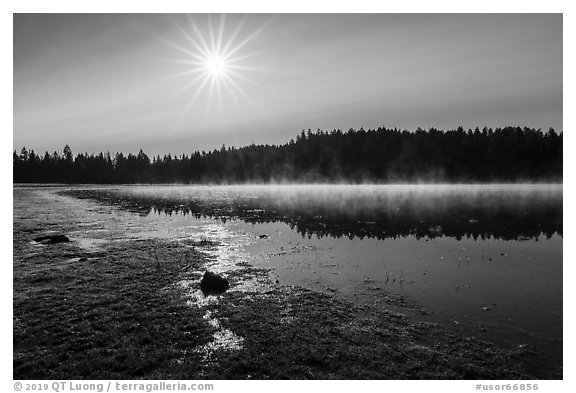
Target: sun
(216,65)
(215,61)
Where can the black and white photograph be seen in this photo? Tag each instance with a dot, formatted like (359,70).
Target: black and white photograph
(287,196)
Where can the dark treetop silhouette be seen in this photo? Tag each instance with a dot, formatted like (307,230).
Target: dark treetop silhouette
(509,154)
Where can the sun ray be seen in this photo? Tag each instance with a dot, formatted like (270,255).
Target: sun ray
(190,39)
(220,33)
(200,89)
(219,96)
(203,46)
(249,38)
(245,56)
(211,34)
(234,34)
(237,87)
(192,101)
(185,51)
(211,92)
(196,63)
(242,77)
(193,82)
(233,67)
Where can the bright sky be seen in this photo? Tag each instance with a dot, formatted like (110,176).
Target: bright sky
(180,83)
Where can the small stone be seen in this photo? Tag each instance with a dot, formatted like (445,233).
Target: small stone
(213,284)
(51,239)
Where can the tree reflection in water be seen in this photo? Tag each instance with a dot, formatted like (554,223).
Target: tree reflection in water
(502,212)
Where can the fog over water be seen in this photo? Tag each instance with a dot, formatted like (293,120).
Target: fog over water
(500,210)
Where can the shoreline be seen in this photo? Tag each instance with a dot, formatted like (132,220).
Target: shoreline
(128,309)
(286,332)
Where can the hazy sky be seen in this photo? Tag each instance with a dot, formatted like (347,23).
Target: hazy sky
(122,82)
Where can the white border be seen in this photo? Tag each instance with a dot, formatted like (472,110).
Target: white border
(260,6)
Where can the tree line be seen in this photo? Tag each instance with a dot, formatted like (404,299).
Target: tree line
(382,155)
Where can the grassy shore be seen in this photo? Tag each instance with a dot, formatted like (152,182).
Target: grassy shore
(122,312)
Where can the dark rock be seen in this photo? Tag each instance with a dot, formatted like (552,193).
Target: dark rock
(264,236)
(52,239)
(213,284)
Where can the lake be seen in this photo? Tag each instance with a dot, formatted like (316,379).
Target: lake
(484,259)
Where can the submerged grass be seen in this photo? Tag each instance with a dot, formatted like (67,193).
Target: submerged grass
(292,332)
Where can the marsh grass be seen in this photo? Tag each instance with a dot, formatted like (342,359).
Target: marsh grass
(292,332)
(113,315)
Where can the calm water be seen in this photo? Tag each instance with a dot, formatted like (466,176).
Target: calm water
(485,259)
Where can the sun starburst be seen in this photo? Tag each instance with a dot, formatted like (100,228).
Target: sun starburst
(215,60)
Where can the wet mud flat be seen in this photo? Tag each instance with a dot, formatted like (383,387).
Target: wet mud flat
(106,305)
